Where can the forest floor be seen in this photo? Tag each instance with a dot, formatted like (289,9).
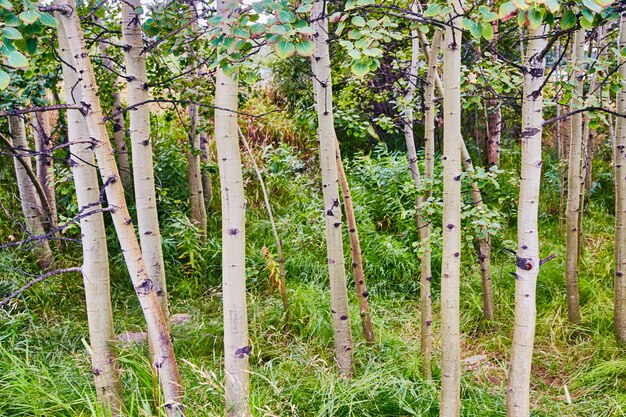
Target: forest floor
(44,359)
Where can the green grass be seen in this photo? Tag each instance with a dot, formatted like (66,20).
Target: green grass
(44,365)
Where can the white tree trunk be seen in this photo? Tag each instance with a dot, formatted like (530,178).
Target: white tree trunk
(450,405)
(236,345)
(32,208)
(164,361)
(574,190)
(426,276)
(518,388)
(620,198)
(322,86)
(141,147)
(95,268)
(45,167)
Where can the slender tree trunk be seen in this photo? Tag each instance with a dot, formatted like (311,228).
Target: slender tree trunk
(494,116)
(207,184)
(322,86)
(566,137)
(32,207)
(119,131)
(484,246)
(619,165)
(270,214)
(95,268)
(236,347)
(357,260)
(518,388)
(45,167)
(197,207)
(141,147)
(574,190)
(164,361)
(424,225)
(450,405)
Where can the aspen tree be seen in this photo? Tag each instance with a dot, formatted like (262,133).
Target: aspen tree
(32,207)
(236,347)
(619,165)
(518,387)
(426,276)
(357,259)
(119,129)
(207,183)
(95,268)
(494,115)
(141,148)
(484,255)
(197,208)
(322,87)
(44,163)
(450,405)
(574,189)
(164,361)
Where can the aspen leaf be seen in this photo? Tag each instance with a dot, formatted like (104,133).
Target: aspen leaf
(305,48)
(432,10)
(487,31)
(5,79)
(488,15)
(305,7)
(286,16)
(373,52)
(568,20)
(6,4)
(214,20)
(360,68)
(306,30)
(354,34)
(350,4)
(553,5)
(29,17)
(334,18)
(11,33)
(604,3)
(257,29)
(535,18)
(31,45)
(241,33)
(17,60)
(585,23)
(354,54)
(521,4)
(592,5)
(285,49)
(365,2)
(48,20)
(358,21)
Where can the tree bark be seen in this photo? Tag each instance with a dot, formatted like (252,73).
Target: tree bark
(322,87)
(95,268)
(450,405)
(197,208)
(164,361)
(32,208)
(45,167)
(141,148)
(619,165)
(574,191)
(518,388)
(236,345)
(119,130)
(207,184)
(357,259)
(424,226)
(494,116)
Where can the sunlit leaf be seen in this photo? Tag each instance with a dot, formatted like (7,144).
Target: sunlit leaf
(5,79)
(285,49)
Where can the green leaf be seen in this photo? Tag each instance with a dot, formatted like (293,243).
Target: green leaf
(5,79)
(350,4)
(358,21)
(11,20)
(354,34)
(488,15)
(214,20)
(568,20)
(472,26)
(360,68)
(553,5)
(11,33)
(257,29)
(487,31)
(373,52)
(6,4)
(241,33)
(433,10)
(29,17)
(593,6)
(17,60)
(31,45)
(305,48)
(306,30)
(48,20)
(286,16)
(305,7)
(535,18)
(285,49)
(585,23)
(365,2)
(521,4)
(604,3)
